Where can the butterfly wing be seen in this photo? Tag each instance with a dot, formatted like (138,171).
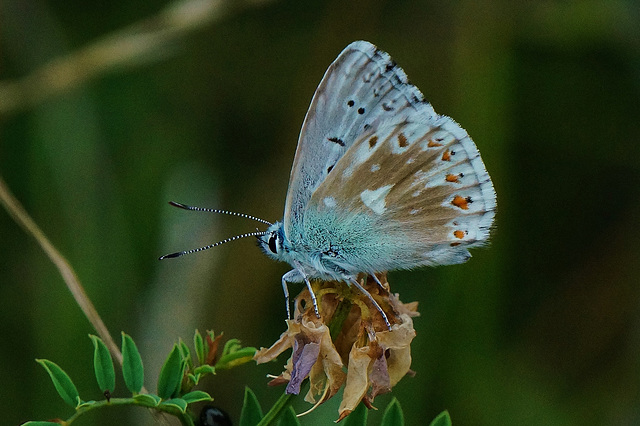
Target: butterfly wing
(410,191)
(360,89)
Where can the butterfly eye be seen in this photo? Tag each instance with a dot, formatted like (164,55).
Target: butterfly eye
(273,238)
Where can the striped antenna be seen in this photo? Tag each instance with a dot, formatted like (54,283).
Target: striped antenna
(182,253)
(204,209)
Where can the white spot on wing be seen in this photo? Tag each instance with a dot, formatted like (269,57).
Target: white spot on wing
(375,199)
(329,202)
(375,167)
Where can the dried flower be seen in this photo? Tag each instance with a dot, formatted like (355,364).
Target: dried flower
(350,344)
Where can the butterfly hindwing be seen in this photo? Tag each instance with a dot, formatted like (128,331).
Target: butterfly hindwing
(423,188)
(361,88)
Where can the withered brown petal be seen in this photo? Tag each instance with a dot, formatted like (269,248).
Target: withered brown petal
(357,379)
(379,377)
(398,342)
(282,344)
(327,368)
(303,357)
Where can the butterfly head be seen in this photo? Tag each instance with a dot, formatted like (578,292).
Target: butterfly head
(272,242)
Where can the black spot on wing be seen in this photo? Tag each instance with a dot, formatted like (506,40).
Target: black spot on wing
(397,81)
(336,140)
(390,65)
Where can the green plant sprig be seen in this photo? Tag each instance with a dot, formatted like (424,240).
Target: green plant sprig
(178,375)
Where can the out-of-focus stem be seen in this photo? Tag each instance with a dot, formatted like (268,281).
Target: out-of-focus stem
(22,218)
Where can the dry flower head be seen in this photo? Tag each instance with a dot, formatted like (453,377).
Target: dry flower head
(349,345)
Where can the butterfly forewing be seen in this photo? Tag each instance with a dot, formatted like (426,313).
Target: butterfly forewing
(359,90)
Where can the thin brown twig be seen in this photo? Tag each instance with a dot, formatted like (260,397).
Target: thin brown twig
(22,218)
(141,42)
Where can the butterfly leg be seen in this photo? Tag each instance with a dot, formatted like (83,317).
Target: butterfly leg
(365,292)
(313,296)
(293,276)
(296,276)
(377,280)
(299,271)
(286,295)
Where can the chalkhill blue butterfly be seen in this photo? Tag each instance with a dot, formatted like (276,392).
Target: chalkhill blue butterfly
(379,182)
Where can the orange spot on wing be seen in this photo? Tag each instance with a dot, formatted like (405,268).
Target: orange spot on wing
(458,234)
(452,178)
(461,202)
(433,144)
(373,141)
(446,156)
(402,140)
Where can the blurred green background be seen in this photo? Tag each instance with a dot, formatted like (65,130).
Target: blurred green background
(540,328)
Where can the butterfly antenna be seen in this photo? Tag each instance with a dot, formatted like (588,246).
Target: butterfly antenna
(204,209)
(237,237)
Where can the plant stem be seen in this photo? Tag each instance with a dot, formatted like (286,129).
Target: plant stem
(22,218)
(140,43)
(273,415)
(184,418)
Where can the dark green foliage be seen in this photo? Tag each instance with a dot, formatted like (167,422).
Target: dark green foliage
(251,413)
(358,417)
(393,414)
(103,365)
(442,419)
(62,382)
(200,347)
(171,374)
(289,418)
(132,369)
(178,370)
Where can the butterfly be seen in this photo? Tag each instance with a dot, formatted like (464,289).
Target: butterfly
(379,182)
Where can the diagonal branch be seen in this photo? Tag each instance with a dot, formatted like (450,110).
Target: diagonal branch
(18,213)
(141,42)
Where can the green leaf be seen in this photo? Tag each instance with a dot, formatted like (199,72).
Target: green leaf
(358,417)
(442,419)
(289,418)
(132,369)
(32,423)
(170,374)
(62,382)
(251,412)
(147,399)
(196,396)
(82,404)
(393,414)
(193,379)
(103,365)
(237,357)
(186,354)
(231,346)
(205,369)
(178,403)
(201,348)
